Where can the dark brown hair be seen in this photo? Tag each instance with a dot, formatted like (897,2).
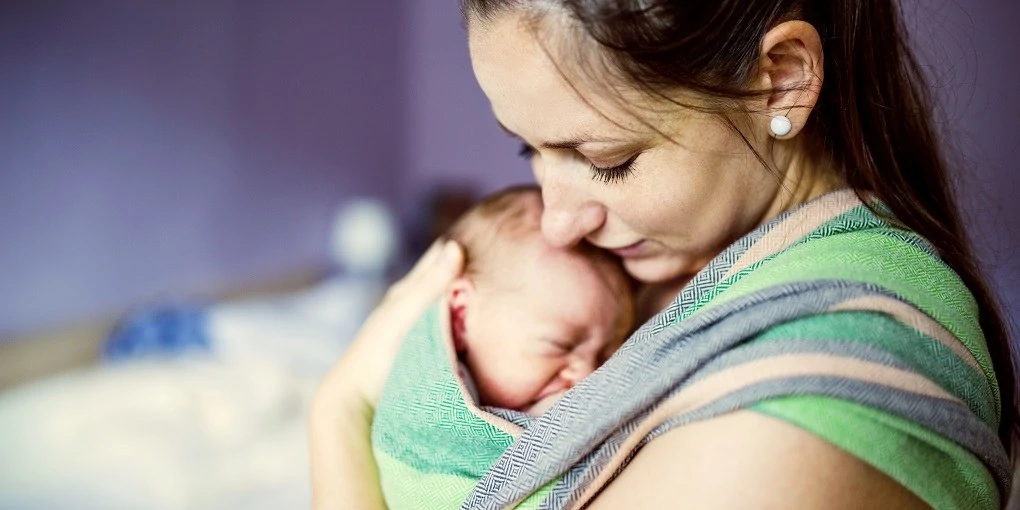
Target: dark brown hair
(873,118)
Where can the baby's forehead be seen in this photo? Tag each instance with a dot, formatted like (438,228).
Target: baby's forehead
(532,263)
(516,222)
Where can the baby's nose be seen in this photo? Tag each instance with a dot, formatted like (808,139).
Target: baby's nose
(578,368)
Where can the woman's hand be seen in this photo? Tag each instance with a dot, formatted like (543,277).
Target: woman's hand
(343,469)
(366,363)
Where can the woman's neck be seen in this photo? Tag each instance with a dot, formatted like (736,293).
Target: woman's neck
(806,171)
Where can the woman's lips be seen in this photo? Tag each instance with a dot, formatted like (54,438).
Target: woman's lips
(629,251)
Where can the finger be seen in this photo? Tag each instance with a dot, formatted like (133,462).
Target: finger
(435,275)
(420,267)
(370,356)
(440,265)
(452,261)
(428,259)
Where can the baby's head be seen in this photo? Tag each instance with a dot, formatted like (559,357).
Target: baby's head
(532,320)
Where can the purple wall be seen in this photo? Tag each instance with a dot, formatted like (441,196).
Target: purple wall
(152,148)
(451,135)
(972,50)
(970,45)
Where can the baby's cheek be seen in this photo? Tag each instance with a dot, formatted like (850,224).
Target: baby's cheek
(509,384)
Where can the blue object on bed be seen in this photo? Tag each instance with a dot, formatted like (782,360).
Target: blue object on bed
(161,331)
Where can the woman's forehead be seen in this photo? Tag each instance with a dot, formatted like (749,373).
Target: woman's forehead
(531,96)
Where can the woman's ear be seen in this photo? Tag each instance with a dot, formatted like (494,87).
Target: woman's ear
(791,65)
(462,292)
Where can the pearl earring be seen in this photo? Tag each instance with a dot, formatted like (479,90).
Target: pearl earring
(781,125)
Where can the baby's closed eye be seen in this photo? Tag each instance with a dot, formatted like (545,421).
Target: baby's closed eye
(557,346)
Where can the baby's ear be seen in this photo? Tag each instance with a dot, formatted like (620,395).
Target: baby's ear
(461,293)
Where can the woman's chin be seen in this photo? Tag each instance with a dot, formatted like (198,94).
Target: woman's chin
(656,269)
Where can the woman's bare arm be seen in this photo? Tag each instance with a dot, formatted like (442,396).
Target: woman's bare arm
(344,472)
(747,460)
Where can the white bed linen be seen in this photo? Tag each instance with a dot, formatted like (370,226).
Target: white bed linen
(185,434)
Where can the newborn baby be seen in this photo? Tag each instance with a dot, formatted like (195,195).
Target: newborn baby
(524,324)
(528,320)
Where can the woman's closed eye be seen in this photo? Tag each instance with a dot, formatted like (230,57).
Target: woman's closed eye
(613,174)
(606,174)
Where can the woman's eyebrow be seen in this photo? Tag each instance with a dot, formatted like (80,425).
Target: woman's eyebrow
(572,143)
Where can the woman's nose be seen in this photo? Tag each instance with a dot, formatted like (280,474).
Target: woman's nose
(569,215)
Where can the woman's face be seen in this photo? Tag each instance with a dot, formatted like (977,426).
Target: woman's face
(666,191)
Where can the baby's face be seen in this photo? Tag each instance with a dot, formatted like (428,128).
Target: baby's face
(544,325)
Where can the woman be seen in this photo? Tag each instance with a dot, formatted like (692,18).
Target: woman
(678,135)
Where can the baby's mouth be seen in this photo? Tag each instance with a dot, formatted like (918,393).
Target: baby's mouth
(556,386)
(543,404)
(548,396)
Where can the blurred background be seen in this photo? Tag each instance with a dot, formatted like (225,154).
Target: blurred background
(200,200)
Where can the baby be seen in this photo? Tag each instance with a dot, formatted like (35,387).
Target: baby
(529,321)
(521,326)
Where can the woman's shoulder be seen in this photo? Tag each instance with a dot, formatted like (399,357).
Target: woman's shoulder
(924,321)
(907,342)
(749,460)
(929,321)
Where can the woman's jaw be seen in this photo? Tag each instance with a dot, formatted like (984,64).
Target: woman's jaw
(650,261)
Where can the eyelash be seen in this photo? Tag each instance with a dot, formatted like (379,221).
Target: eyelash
(606,175)
(562,347)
